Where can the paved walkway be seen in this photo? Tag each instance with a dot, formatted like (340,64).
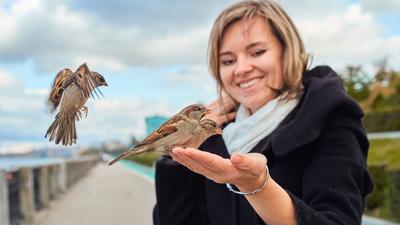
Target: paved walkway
(112,195)
(108,195)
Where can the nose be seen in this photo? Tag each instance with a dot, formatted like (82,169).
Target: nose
(243,66)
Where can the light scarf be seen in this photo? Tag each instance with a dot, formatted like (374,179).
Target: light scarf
(247,130)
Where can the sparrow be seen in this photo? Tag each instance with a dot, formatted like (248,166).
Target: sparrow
(184,129)
(71,91)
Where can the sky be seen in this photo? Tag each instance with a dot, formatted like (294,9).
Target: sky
(153,55)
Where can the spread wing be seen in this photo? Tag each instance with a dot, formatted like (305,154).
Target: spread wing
(63,79)
(86,82)
(169,127)
(93,74)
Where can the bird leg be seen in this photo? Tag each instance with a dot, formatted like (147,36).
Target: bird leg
(84,110)
(165,150)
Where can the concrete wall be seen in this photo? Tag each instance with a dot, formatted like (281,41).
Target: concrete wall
(53,180)
(76,169)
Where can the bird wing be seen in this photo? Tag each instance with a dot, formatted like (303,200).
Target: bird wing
(93,74)
(167,128)
(86,82)
(63,79)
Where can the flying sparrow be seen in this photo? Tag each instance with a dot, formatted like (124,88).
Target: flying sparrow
(71,91)
(183,129)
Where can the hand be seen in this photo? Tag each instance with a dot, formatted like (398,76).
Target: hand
(246,171)
(222,111)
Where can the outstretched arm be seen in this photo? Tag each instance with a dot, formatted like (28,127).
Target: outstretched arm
(246,171)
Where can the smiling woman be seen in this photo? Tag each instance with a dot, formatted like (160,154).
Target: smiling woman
(249,45)
(293,148)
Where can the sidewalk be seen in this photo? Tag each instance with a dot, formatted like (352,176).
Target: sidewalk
(108,195)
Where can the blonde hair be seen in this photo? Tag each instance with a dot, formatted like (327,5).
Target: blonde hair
(294,57)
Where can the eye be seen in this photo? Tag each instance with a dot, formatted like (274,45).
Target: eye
(227,62)
(258,52)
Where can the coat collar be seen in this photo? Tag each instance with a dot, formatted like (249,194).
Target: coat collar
(323,93)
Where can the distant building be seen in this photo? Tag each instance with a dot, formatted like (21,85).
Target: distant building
(154,122)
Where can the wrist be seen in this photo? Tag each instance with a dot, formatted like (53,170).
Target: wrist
(254,184)
(251,188)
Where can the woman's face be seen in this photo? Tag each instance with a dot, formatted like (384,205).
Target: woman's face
(250,60)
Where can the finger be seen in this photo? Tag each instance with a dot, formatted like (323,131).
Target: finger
(211,161)
(253,163)
(216,168)
(179,156)
(227,104)
(195,166)
(229,116)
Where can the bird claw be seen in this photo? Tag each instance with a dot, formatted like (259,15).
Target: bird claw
(84,110)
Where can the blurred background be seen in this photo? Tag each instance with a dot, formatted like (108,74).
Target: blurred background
(153,56)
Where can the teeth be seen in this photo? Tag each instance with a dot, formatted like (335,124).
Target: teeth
(249,83)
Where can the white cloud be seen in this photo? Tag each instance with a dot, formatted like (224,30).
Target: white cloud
(9,82)
(107,120)
(119,119)
(197,79)
(61,36)
(350,37)
(381,5)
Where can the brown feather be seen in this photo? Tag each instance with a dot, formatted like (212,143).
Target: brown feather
(61,82)
(86,80)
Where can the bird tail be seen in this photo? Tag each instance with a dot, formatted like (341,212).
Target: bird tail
(63,129)
(131,152)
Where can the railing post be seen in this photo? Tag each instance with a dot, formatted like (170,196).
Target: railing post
(44,186)
(53,181)
(4,210)
(62,177)
(26,194)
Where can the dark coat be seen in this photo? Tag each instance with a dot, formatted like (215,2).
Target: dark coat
(317,154)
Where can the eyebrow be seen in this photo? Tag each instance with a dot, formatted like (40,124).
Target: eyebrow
(251,45)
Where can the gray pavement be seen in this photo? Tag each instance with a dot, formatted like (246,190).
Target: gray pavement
(112,195)
(108,195)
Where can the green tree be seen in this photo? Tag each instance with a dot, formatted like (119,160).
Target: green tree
(379,102)
(357,82)
(384,74)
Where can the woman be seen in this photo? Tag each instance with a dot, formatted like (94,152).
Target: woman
(300,120)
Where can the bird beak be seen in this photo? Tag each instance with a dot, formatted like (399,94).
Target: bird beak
(206,112)
(105,84)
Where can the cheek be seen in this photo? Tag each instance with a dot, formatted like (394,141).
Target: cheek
(226,79)
(275,75)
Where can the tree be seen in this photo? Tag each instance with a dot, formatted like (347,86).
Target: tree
(384,74)
(356,82)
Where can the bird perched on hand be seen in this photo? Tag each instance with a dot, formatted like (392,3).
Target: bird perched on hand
(71,91)
(184,129)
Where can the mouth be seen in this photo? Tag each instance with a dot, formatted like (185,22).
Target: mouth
(249,83)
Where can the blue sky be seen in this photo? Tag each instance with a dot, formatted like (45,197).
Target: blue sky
(153,56)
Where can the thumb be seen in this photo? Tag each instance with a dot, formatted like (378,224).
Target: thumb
(250,162)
